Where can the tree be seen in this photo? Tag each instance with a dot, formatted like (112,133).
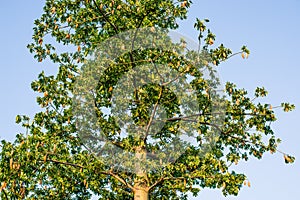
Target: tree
(125,93)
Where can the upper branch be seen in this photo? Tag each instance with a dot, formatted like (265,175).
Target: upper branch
(105,17)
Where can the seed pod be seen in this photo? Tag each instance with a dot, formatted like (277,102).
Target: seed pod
(224,185)
(40,41)
(287,159)
(224,55)
(236,162)
(2,186)
(11,163)
(243,55)
(152,29)
(69,19)
(53,9)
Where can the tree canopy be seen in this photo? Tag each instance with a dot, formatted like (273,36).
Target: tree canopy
(135,111)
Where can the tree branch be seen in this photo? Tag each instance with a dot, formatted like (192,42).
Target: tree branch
(162,179)
(5,194)
(153,113)
(65,163)
(102,172)
(105,17)
(119,179)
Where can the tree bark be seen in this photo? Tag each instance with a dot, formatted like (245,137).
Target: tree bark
(141,194)
(141,190)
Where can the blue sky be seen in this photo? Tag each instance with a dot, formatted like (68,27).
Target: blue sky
(270,29)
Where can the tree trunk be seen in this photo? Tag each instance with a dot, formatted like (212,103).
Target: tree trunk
(141,194)
(140,186)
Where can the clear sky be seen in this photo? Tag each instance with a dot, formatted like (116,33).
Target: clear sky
(270,29)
